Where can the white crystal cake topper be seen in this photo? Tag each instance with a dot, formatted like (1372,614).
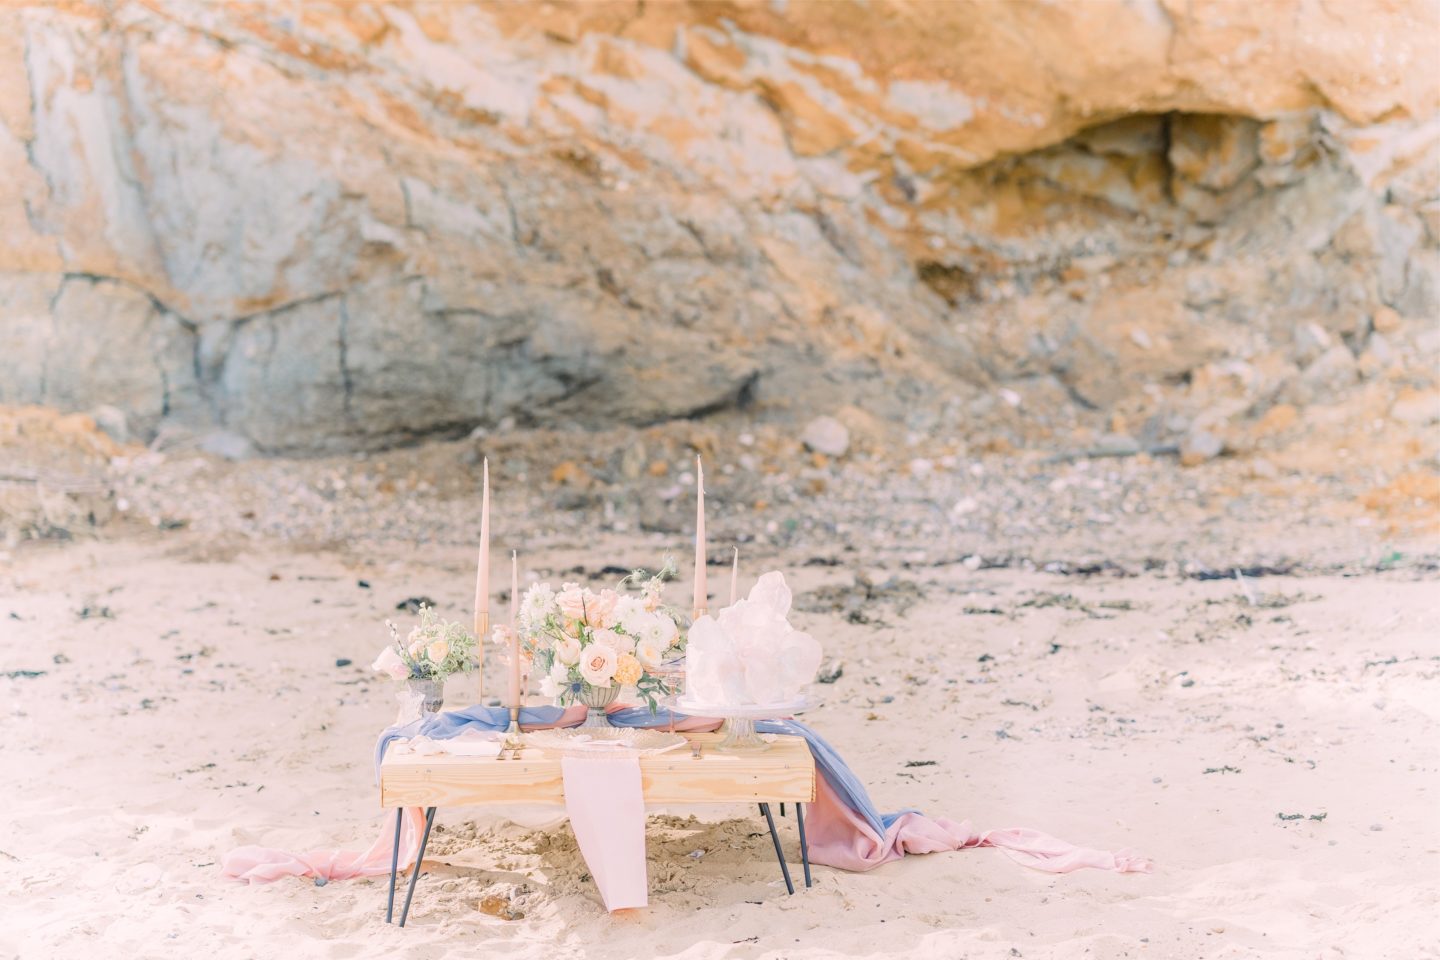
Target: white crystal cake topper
(750,654)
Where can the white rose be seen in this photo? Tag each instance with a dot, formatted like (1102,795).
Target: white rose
(437,650)
(618,642)
(548,689)
(559,673)
(649,652)
(568,650)
(597,664)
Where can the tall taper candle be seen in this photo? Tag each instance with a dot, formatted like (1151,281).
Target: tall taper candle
(513,690)
(700,591)
(482,575)
(734,576)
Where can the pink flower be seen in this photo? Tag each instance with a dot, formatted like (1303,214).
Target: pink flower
(390,664)
(600,608)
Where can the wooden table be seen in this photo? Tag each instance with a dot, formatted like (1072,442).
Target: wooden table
(785,772)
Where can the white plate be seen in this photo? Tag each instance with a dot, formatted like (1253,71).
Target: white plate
(582,740)
(743,711)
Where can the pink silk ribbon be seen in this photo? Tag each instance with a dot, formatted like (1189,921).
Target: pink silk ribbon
(838,837)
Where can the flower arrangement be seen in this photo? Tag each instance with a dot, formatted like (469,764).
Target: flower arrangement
(433,650)
(578,637)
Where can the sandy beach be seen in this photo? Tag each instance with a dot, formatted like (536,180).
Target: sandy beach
(1076,363)
(1269,743)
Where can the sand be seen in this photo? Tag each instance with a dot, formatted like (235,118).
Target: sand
(188,700)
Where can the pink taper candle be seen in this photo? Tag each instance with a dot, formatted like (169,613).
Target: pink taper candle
(513,700)
(700,591)
(734,576)
(514,587)
(482,572)
(482,577)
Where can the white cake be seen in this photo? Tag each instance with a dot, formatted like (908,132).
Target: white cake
(750,654)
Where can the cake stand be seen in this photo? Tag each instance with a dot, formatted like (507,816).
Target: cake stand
(739,725)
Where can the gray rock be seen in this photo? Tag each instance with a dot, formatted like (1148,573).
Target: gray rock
(1399,231)
(1332,372)
(1199,446)
(112,420)
(227,444)
(826,435)
(1420,409)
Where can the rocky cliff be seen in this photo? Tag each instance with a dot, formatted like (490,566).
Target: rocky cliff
(337,227)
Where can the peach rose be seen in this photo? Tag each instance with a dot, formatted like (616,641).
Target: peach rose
(567,650)
(627,670)
(600,608)
(572,601)
(597,664)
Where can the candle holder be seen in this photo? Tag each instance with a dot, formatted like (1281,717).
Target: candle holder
(514,739)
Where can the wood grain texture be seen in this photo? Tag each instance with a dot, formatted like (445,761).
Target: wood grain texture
(784,772)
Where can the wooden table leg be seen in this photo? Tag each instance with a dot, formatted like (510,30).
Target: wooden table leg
(779,854)
(419,859)
(804,846)
(394,865)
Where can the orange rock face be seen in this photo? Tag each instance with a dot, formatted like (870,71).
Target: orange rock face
(340,226)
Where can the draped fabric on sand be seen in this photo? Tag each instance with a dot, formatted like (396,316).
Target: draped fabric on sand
(846,830)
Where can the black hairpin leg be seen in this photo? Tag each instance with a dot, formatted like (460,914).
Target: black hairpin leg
(779,854)
(394,864)
(419,859)
(804,846)
(782,808)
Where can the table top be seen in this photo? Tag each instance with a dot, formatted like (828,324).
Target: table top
(784,772)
